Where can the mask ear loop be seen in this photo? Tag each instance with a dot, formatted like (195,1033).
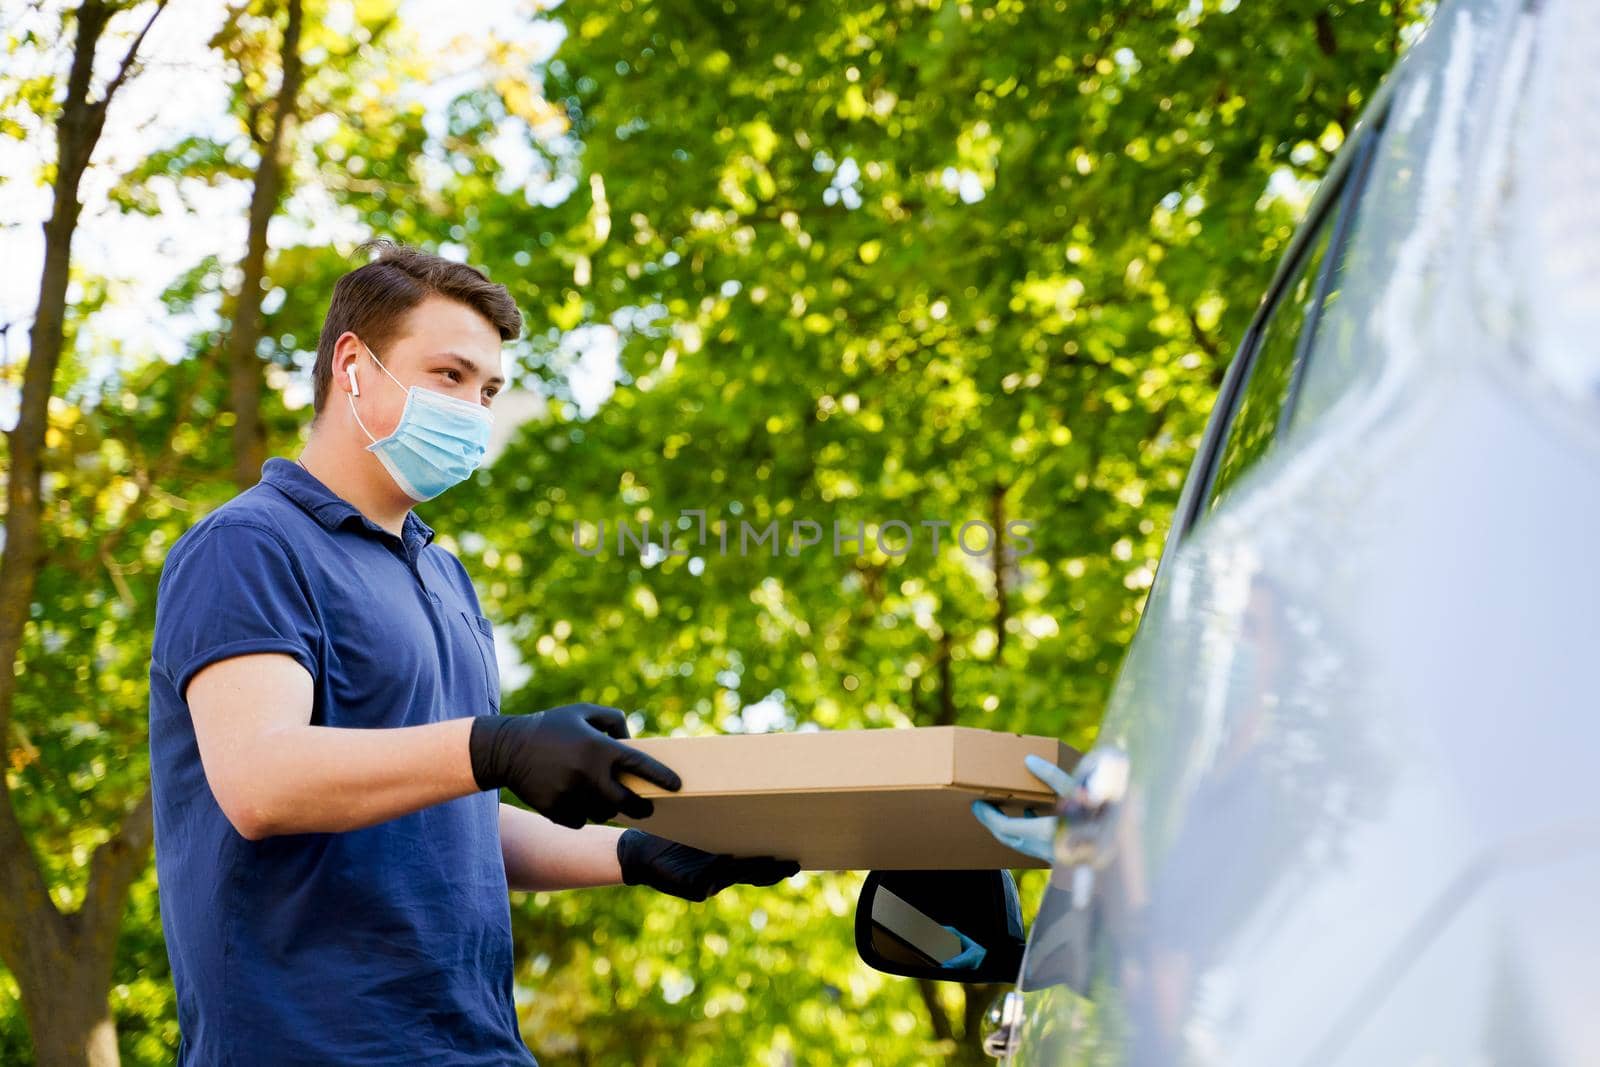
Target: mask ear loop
(355,387)
(359,423)
(381,367)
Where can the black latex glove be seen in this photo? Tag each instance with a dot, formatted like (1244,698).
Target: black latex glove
(690,873)
(563,763)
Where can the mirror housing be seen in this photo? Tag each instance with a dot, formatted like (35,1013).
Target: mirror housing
(949,926)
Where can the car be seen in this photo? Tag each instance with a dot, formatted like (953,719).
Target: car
(1343,807)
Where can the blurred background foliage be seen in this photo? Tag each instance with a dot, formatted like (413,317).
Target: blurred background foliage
(855,262)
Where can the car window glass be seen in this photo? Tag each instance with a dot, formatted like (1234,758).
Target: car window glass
(1266,389)
(1350,349)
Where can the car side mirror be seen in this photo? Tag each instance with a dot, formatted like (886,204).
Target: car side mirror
(950,926)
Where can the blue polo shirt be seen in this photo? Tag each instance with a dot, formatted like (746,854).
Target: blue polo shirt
(390,944)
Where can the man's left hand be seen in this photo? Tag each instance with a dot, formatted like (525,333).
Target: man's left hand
(690,873)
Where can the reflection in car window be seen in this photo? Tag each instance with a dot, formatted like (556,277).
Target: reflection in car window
(1271,372)
(1344,352)
(1278,355)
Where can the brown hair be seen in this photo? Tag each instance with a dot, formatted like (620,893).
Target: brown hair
(373,300)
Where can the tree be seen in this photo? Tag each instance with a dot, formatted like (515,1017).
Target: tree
(125,466)
(870,262)
(62,960)
(863,263)
(271,127)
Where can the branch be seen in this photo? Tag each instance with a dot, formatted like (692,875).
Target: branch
(112,868)
(1207,343)
(1326,41)
(377,30)
(245,331)
(252,123)
(286,107)
(977,1003)
(154,474)
(936,1014)
(947,684)
(1001,563)
(127,59)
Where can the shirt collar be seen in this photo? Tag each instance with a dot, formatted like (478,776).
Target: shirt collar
(330,509)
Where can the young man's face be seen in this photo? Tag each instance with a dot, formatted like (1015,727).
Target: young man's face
(421,355)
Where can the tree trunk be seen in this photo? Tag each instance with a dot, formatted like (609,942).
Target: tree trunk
(68,1011)
(62,963)
(979,997)
(1003,561)
(967,1041)
(245,379)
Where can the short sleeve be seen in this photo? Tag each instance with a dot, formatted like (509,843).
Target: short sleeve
(235,591)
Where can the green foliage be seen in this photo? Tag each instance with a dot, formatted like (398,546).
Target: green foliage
(877,262)
(904,260)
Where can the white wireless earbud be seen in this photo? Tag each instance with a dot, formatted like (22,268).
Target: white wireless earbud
(355,386)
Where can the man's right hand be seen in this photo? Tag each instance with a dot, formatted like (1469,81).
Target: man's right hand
(564,763)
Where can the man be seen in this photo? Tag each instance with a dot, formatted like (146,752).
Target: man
(326,743)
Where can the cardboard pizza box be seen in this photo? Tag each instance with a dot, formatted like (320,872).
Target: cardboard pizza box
(836,800)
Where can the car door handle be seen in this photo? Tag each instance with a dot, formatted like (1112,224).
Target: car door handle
(1002,1024)
(1087,813)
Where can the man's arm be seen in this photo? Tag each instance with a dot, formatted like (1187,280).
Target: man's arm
(272,772)
(539,855)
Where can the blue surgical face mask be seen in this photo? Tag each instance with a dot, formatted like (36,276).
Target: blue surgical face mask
(438,442)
